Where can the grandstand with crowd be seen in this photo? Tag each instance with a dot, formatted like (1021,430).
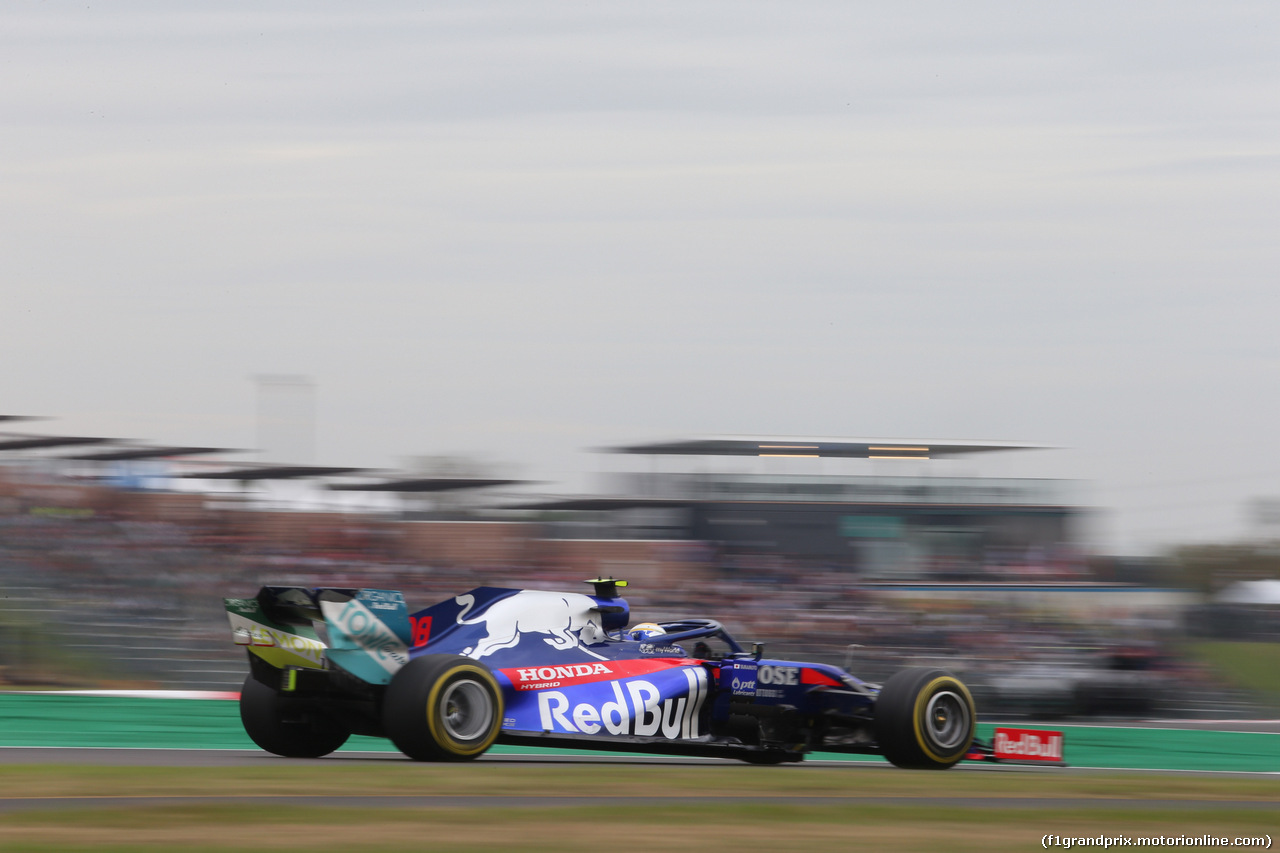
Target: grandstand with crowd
(119,583)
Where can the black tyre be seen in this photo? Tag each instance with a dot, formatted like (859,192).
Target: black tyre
(285,725)
(442,708)
(924,718)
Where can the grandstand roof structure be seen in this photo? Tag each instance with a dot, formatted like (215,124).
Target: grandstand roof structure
(122,454)
(603,504)
(37,442)
(272,472)
(427,484)
(801,447)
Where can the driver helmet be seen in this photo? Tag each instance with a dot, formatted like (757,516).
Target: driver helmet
(646,631)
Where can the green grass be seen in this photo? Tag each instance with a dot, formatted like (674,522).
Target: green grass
(246,828)
(1251,666)
(500,779)
(1061,803)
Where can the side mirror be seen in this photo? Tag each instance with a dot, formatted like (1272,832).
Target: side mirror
(757,651)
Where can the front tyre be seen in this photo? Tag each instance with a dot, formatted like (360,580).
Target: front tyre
(442,708)
(287,726)
(924,718)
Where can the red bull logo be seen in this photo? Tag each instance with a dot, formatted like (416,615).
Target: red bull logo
(568,620)
(639,710)
(1028,745)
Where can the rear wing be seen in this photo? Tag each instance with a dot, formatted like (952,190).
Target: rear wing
(367,629)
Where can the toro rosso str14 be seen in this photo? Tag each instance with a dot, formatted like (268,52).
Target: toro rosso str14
(563,669)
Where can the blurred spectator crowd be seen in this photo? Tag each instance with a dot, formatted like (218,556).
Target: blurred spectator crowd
(138,602)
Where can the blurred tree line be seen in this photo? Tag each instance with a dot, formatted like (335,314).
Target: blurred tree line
(1211,568)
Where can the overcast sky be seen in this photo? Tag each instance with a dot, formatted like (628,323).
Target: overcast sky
(521,230)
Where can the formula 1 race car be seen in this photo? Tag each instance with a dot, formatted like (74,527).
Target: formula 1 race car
(563,669)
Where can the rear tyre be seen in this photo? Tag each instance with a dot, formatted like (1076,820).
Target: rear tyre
(285,725)
(442,708)
(924,719)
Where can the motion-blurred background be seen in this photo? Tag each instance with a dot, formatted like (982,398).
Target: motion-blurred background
(765,307)
(114,558)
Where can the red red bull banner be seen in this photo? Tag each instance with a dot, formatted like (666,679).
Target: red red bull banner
(1028,745)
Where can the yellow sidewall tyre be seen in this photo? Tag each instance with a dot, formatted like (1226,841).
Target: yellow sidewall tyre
(442,708)
(924,719)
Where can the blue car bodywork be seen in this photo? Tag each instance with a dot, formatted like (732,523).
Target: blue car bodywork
(561,669)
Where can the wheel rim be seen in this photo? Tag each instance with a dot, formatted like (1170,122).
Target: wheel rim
(947,719)
(466,710)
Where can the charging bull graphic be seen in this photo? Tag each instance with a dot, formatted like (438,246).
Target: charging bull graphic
(570,619)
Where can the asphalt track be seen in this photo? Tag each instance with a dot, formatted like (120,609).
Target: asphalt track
(249,758)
